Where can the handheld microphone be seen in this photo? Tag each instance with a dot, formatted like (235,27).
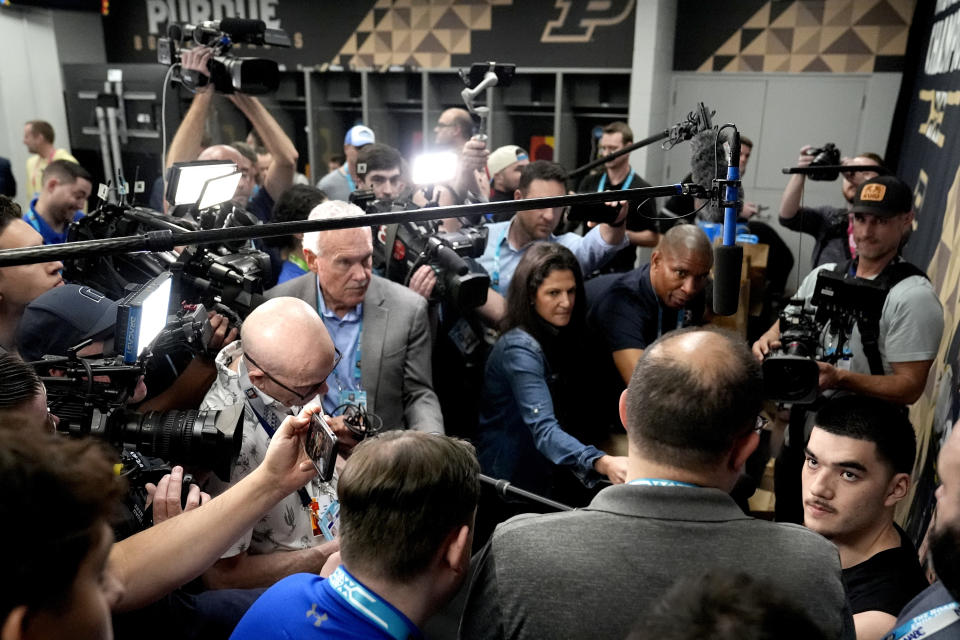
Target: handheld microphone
(728,258)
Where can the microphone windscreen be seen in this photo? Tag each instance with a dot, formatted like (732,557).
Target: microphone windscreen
(727,262)
(703,153)
(240,28)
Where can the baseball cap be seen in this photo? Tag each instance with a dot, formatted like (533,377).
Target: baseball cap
(62,318)
(884,196)
(359,136)
(503,157)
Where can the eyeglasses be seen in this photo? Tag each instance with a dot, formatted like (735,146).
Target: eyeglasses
(303,397)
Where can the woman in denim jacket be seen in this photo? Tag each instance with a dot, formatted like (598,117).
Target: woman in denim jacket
(533,403)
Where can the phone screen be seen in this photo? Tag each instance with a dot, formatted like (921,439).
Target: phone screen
(320,445)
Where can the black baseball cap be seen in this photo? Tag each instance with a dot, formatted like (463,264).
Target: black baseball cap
(63,317)
(884,196)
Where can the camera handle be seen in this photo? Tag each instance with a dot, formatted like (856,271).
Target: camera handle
(835,167)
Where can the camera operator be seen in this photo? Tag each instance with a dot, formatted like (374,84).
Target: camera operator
(185,146)
(21,284)
(339,183)
(282,361)
(910,325)
(831,226)
(454,132)
(63,580)
(23,398)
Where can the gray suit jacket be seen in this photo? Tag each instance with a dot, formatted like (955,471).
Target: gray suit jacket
(396,352)
(594,572)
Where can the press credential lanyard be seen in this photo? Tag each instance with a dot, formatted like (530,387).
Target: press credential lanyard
(926,624)
(660,320)
(357,372)
(660,482)
(370,606)
(268,417)
(350,182)
(626,183)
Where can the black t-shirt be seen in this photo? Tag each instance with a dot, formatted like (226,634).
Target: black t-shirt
(624,312)
(638,219)
(887,581)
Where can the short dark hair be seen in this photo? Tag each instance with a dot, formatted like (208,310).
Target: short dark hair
(245,150)
(339,158)
(872,156)
(74,477)
(19,382)
(722,606)
(42,128)
(66,171)
(883,423)
(622,128)
(538,262)
(401,494)
(9,211)
(746,142)
(689,414)
(541,170)
(378,157)
(295,203)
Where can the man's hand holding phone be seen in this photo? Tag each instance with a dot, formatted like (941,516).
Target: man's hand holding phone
(286,466)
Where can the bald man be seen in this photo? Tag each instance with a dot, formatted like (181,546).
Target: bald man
(273,375)
(631,310)
(454,127)
(690,414)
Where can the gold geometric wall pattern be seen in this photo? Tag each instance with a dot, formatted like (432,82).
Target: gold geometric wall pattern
(839,36)
(416,33)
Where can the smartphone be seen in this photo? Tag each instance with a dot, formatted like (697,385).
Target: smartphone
(321,447)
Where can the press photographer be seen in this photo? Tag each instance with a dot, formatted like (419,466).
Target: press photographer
(830,226)
(907,333)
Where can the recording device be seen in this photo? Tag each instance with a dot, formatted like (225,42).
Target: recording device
(90,395)
(483,76)
(409,245)
(359,421)
(728,257)
(826,155)
(320,445)
(227,277)
(228,73)
(138,470)
(791,373)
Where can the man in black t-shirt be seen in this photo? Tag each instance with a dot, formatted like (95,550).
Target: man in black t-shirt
(627,312)
(618,174)
(858,462)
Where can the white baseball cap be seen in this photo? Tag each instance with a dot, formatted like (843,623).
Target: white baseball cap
(503,157)
(359,136)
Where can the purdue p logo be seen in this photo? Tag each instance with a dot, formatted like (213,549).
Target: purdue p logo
(873,193)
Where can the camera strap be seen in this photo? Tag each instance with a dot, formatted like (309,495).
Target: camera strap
(895,272)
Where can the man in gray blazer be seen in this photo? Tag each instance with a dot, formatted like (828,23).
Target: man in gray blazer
(691,414)
(380,328)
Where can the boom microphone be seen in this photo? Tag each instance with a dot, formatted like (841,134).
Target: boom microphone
(728,258)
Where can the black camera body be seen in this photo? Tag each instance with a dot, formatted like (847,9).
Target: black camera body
(422,243)
(228,74)
(791,374)
(825,156)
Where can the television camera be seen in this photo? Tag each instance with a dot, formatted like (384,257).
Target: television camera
(228,73)
(791,374)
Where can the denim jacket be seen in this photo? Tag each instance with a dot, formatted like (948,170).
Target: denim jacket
(519,439)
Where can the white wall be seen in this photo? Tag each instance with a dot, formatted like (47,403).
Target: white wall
(30,85)
(650,79)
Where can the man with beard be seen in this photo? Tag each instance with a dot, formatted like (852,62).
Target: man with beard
(935,611)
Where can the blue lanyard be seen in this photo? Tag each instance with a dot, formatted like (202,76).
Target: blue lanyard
(350,182)
(626,183)
(357,374)
(371,607)
(660,482)
(660,320)
(495,276)
(927,623)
